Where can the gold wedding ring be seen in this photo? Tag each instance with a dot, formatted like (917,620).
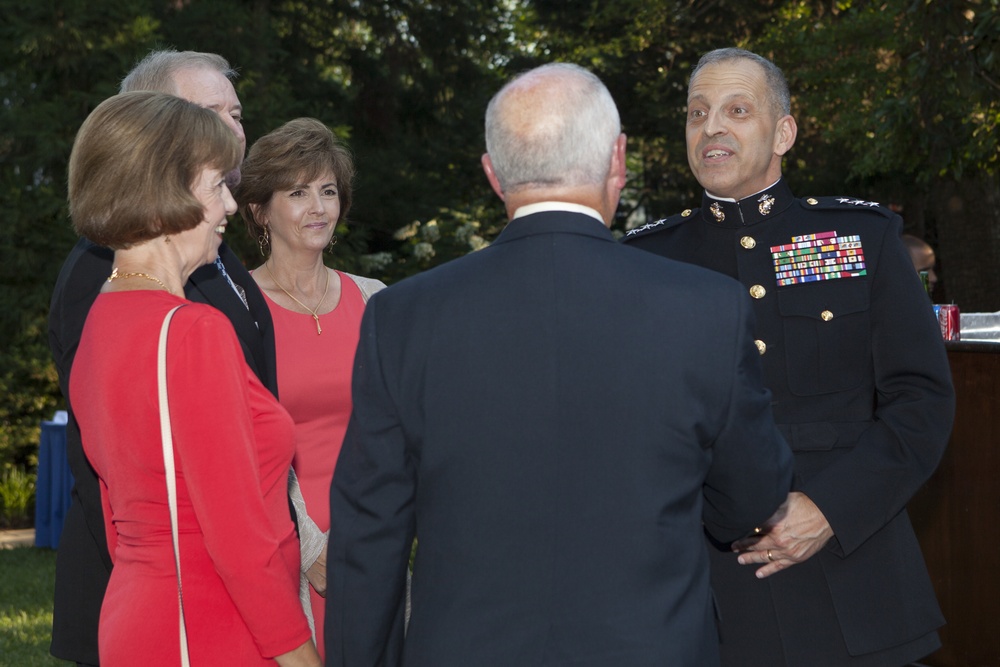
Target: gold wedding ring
(769,556)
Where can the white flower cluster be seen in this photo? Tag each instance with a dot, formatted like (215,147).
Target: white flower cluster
(464,232)
(376,262)
(430,231)
(423,250)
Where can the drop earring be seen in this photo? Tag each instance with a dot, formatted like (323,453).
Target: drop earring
(264,242)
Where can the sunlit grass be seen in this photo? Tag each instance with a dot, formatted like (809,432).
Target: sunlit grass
(27,576)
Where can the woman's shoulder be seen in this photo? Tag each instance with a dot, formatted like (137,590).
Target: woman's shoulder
(206,320)
(122,316)
(367,286)
(194,311)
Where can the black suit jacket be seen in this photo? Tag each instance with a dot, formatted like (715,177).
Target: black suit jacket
(862,392)
(556,417)
(252,322)
(83,564)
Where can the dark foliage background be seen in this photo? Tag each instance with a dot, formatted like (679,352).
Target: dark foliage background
(897,102)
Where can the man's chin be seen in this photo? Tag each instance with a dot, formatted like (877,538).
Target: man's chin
(722,188)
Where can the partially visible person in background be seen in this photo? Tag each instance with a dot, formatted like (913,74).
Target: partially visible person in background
(83,563)
(295,189)
(924,260)
(147,178)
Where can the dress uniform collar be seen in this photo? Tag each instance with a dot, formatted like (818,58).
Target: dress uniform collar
(748,211)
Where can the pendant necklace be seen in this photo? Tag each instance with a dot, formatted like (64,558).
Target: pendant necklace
(312,311)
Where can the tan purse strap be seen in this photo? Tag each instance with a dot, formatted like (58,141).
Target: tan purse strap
(166,436)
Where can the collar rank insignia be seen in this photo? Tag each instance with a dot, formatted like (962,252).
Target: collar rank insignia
(765,204)
(717,211)
(814,257)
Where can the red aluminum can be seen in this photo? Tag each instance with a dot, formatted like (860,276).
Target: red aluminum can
(948,319)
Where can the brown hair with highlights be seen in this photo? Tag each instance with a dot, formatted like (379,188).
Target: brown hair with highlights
(134,163)
(299,151)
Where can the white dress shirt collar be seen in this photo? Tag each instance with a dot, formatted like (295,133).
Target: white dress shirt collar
(545,206)
(733,200)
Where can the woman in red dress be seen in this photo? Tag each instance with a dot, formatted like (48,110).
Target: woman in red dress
(147,179)
(295,189)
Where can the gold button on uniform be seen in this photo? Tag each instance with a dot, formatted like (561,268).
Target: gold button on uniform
(685,213)
(826,315)
(812,202)
(761,347)
(758,292)
(748,242)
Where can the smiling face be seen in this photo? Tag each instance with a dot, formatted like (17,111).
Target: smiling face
(735,138)
(203,241)
(304,217)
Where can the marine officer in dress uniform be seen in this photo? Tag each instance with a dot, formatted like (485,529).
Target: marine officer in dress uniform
(859,375)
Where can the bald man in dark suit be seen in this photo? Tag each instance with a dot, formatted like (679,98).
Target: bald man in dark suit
(557,417)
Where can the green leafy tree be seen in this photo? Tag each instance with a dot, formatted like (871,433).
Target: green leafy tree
(404,83)
(896,102)
(58,61)
(900,103)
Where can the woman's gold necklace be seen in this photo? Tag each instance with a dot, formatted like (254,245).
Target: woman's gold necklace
(115,275)
(312,311)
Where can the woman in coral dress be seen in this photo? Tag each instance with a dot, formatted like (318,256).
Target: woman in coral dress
(147,178)
(295,188)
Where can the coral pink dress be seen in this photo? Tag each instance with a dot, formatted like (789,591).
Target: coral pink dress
(233,444)
(314,385)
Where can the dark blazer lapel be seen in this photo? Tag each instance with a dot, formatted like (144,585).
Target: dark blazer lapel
(207,285)
(259,313)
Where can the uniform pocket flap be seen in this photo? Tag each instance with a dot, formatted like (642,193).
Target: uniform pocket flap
(822,436)
(824,301)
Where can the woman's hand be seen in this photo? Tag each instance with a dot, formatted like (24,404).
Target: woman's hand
(303,656)
(316,574)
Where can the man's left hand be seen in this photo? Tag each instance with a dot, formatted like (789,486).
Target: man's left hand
(797,530)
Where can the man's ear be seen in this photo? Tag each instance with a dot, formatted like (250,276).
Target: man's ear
(491,176)
(784,138)
(618,170)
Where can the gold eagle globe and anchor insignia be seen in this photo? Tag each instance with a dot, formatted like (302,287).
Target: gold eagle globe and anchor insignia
(765,204)
(716,210)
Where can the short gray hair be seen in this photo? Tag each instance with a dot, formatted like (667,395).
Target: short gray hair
(565,137)
(781,98)
(156,71)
